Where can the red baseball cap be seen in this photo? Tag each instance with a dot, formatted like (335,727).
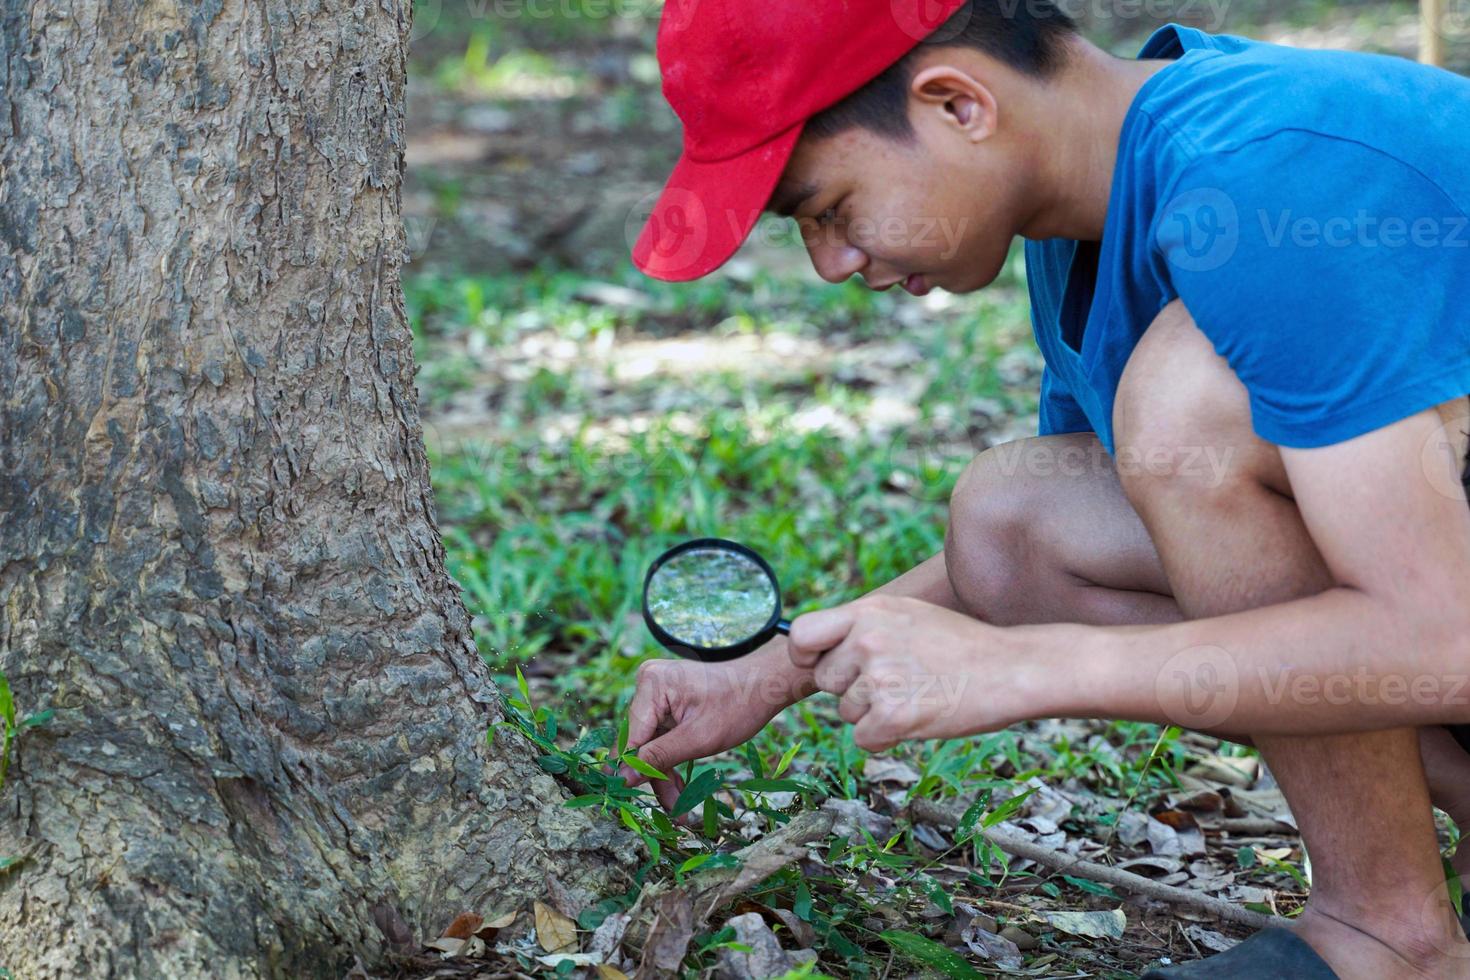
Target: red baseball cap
(744,76)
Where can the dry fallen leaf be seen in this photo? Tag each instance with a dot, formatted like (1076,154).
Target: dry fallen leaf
(464,926)
(1209,938)
(554,931)
(1151,864)
(999,950)
(609,935)
(553,960)
(881,769)
(501,921)
(608,972)
(1094,925)
(762,957)
(449,947)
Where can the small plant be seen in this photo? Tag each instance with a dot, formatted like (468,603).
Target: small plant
(10,729)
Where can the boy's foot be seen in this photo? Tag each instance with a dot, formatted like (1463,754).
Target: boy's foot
(1385,948)
(1290,953)
(1271,954)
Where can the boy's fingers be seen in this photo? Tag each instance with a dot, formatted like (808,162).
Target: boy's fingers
(667,791)
(667,751)
(645,708)
(814,633)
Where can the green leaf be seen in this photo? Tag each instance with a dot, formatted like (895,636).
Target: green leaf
(622,735)
(938,895)
(7,703)
(697,790)
(693,863)
(803,904)
(1007,809)
(966,827)
(710,861)
(586,799)
(1096,887)
(753,758)
(639,765)
(786,758)
(930,953)
(525,688)
(596,738)
(552,764)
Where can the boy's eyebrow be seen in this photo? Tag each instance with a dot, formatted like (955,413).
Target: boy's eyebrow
(786,199)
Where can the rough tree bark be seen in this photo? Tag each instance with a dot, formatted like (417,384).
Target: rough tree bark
(218,555)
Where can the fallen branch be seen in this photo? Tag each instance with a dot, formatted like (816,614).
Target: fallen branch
(1252,826)
(947,816)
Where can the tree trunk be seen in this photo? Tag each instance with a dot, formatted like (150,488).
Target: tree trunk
(219,560)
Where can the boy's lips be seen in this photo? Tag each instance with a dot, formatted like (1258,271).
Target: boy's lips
(916,285)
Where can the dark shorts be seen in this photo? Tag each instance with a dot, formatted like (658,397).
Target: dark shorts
(1462,732)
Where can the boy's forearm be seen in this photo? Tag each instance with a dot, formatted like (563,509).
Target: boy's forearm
(1338,661)
(928,580)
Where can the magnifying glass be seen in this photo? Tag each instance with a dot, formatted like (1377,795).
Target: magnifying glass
(712,599)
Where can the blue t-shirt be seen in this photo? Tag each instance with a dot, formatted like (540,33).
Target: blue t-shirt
(1309,207)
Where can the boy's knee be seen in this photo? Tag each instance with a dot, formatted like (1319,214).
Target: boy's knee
(987,543)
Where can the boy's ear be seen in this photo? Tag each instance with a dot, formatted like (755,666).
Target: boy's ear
(962,100)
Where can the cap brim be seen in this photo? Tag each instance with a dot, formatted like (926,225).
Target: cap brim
(706,210)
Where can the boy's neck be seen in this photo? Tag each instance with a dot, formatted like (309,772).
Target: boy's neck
(1074,138)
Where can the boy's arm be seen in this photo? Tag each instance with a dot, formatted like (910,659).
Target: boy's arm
(1389,645)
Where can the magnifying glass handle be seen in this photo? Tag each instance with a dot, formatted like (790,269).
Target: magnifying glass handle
(783,626)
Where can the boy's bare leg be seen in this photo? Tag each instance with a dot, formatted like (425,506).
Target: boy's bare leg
(1378,906)
(1379,903)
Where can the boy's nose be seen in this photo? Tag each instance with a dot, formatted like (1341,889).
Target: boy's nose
(836,262)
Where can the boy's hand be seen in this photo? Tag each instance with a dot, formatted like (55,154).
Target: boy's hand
(907,669)
(686,709)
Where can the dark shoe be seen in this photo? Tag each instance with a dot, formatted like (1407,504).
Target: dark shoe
(1271,954)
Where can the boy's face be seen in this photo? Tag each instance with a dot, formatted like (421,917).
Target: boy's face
(941,209)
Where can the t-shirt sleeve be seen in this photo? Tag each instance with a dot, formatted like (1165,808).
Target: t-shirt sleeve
(1059,410)
(1332,277)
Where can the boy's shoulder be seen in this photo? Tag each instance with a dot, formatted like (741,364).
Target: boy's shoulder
(1229,93)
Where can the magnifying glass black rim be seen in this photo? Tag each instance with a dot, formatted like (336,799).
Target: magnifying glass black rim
(712,653)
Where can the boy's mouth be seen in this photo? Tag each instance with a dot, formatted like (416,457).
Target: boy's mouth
(916,285)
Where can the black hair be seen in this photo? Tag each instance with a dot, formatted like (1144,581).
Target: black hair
(1028,35)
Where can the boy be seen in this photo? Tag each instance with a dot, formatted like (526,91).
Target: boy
(1237,253)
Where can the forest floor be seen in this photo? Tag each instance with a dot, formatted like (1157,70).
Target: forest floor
(582,418)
